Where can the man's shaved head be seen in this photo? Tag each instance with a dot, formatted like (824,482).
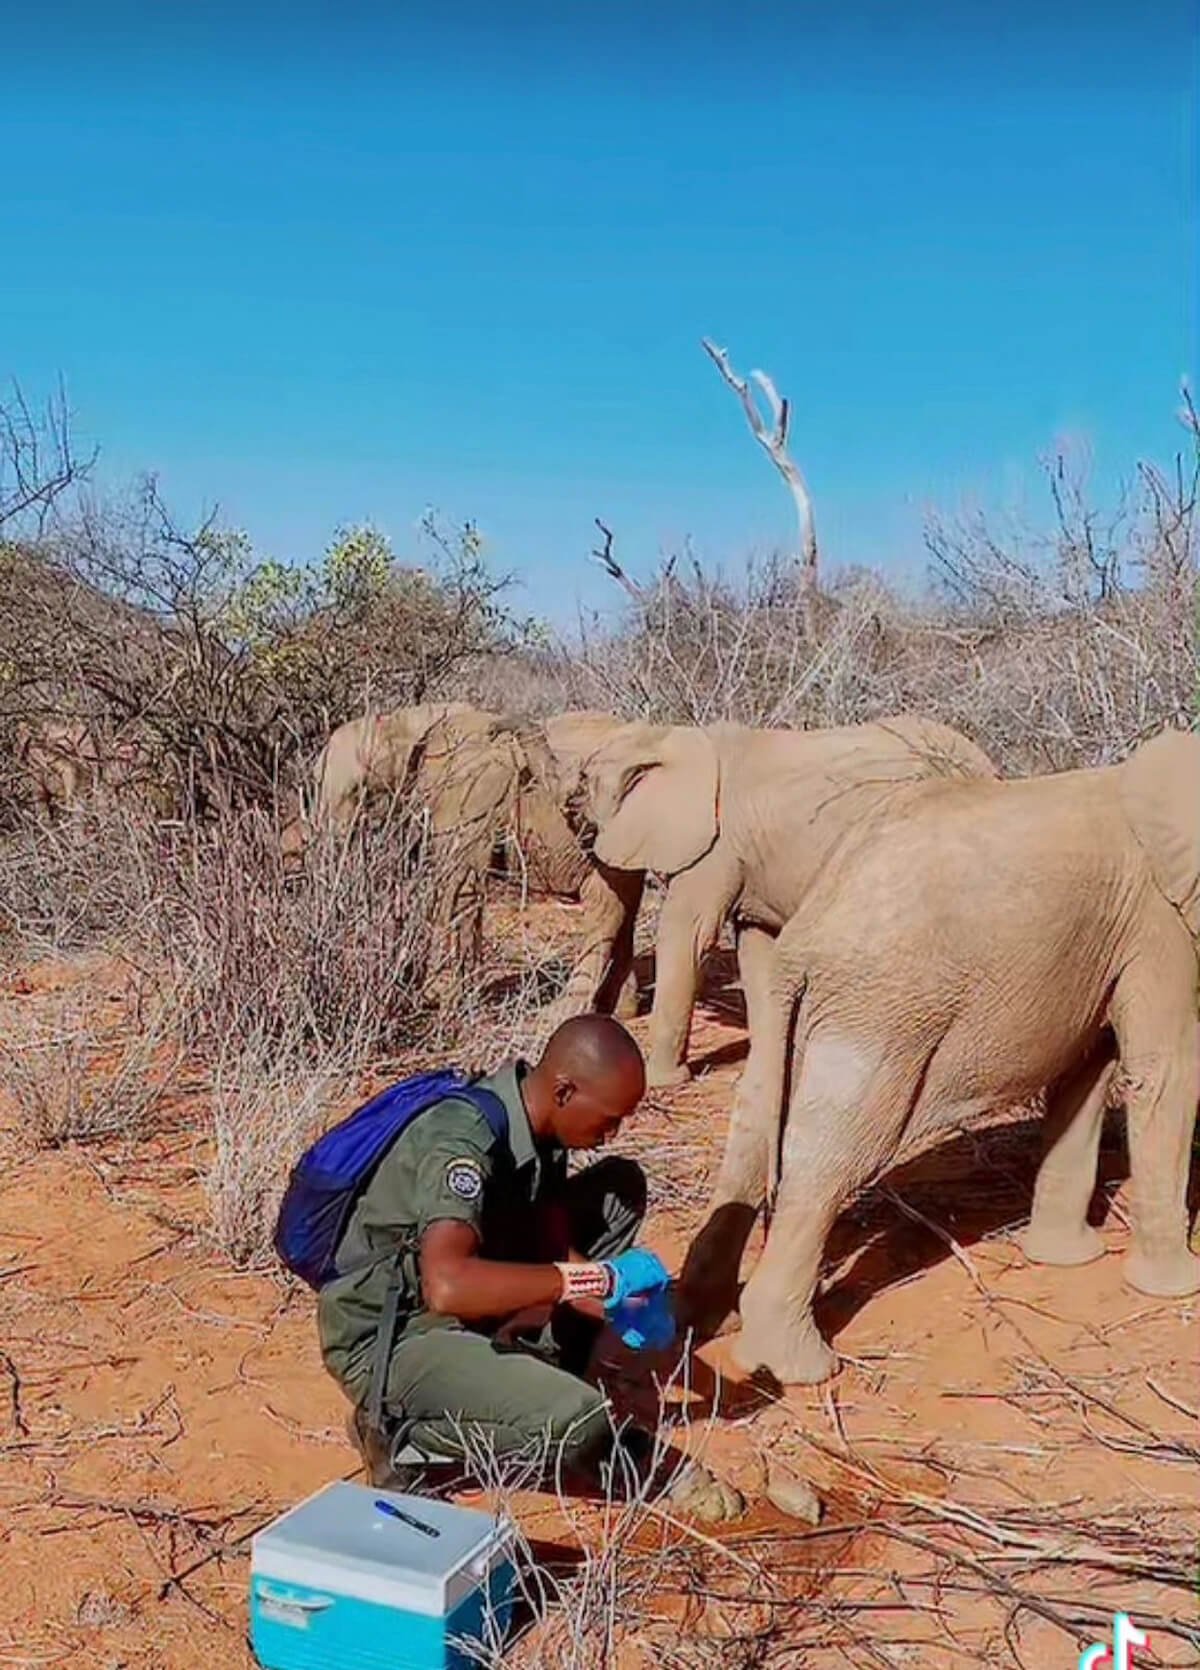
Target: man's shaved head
(590,1077)
(593,1047)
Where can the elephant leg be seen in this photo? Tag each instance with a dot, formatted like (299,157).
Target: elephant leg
(708,1284)
(463,919)
(746,1166)
(603,968)
(844,1126)
(696,905)
(617,993)
(1059,1232)
(1155,1022)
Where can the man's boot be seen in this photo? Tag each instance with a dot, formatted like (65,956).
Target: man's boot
(392,1464)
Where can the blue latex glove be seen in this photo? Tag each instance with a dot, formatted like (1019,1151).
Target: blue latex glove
(636,1272)
(646,1324)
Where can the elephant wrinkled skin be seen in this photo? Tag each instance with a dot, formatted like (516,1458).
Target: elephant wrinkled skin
(970,946)
(740,821)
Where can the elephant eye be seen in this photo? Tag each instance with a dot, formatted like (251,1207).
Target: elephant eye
(634,777)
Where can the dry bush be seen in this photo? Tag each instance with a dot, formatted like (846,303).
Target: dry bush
(78,1072)
(1053,650)
(78,883)
(534,682)
(341,955)
(268,1102)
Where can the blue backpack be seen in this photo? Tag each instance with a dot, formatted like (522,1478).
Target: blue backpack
(329,1177)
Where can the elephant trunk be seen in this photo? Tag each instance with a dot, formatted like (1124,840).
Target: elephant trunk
(555,861)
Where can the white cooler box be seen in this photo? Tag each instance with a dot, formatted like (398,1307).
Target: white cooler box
(338,1583)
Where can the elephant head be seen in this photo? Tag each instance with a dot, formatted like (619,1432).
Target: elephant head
(553,858)
(1160,795)
(573,738)
(61,759)
(651,795)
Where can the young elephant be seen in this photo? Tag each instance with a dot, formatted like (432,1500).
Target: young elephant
(740,821)
(487,782)
(472,769)
(969,946)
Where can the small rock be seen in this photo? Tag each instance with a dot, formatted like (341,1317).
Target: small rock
(795,1498)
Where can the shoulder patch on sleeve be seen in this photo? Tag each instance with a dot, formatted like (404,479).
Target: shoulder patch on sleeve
(464,1179)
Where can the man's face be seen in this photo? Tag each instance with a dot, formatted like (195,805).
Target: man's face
(589,1115)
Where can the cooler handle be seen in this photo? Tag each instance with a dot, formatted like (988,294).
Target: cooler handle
(302,1603)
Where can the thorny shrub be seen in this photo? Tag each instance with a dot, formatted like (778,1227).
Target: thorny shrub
(344,955)
(1053,650)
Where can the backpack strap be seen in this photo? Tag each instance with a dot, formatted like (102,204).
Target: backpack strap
(489,1105)
(494,1111)
(384,1341)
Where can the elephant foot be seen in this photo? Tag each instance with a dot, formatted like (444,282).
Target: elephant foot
(1061,1244)
(702,1495)
(1163,1275)
(796,1357)
(702,1308)
(667,1075)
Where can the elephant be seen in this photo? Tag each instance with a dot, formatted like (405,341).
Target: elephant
(67,760)
(487,782)
(61,759)
(739,821)
(371,756)
(969,946)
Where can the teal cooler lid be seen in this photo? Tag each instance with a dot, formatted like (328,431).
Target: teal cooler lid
(338,1539)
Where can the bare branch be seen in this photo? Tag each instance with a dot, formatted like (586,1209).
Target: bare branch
(612,567)
(37,458)
(774,441)
(1187,413)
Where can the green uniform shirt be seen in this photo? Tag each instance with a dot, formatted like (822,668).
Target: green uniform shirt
(446,1164)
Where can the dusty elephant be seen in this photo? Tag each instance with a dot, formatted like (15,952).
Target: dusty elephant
(66,760)
(971,946)
(369,757)
(740,821)
(379,756)
(492,788)
(61,759)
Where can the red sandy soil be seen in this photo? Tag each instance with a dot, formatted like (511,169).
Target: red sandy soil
(991,1420)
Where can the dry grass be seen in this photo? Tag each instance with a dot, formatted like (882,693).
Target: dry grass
(81,1071)
(267,1105)
(78,883)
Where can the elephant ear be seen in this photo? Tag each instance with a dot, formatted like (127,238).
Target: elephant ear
(1160,792)
(654,792)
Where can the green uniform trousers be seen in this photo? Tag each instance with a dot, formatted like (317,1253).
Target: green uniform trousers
(451,1388)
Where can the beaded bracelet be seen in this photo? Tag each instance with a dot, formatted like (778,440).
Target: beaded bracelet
(585,1281)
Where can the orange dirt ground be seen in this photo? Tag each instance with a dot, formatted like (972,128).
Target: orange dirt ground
(998,1431)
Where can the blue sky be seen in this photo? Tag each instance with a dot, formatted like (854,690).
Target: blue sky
(330,263)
